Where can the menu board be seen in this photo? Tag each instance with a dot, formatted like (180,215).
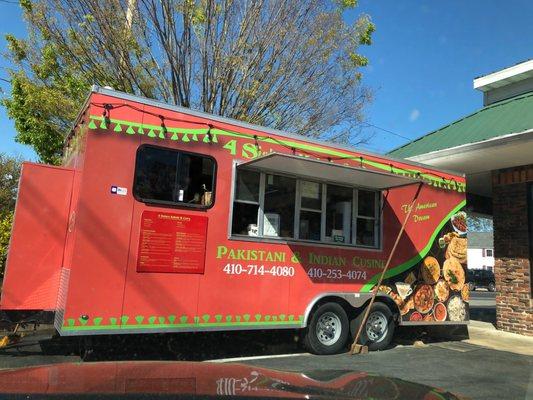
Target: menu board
(170,242)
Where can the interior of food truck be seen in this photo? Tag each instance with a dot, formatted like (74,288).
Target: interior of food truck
(279,196)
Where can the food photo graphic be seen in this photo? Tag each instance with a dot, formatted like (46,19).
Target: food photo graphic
(435,289)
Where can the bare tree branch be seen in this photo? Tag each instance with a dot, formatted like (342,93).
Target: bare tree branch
(287,64)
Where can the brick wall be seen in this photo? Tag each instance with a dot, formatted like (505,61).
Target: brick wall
(514,312)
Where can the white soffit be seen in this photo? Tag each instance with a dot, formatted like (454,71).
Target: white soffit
(477,160)
(505,76)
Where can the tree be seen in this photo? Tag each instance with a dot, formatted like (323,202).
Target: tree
(9,178)
(287,64)
(6,222)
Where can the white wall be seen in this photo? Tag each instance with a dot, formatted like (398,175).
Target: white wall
(476,260)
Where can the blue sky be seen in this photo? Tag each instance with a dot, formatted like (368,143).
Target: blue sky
(422,61)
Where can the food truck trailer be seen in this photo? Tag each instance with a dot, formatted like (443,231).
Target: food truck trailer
(165,219)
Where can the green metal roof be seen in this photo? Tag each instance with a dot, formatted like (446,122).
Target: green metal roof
(502,118)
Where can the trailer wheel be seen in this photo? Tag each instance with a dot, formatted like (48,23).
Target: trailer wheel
(379,327)
(327,332)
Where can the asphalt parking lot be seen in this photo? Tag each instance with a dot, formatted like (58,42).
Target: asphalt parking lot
(459,367)
(464,368)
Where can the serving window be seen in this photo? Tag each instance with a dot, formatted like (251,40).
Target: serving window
(277,206)
(174,177)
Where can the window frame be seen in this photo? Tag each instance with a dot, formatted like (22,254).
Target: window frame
(298,210)
(378,216)
(174,204)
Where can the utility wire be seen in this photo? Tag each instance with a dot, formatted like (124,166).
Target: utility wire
(107,107)
(388,131)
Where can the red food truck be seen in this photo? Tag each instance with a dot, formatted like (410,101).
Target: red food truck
(165,219)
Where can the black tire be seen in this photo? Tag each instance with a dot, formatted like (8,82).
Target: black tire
(491,287)
(316,343)
(383,312)
(471,286)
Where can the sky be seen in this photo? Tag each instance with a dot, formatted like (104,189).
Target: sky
(423,59)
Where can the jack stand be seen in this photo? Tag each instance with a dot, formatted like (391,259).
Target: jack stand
(358,349)
(10,339)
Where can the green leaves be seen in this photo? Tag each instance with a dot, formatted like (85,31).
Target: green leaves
(6,222)
(26,5)
(365,37)
(17,48)
(358,60)
(346,4)
(37,111)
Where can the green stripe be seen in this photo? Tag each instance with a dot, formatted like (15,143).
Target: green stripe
(460,187)
(199,321)
(155,326)
(413,261)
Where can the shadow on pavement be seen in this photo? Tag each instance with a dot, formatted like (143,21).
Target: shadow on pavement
(485,314)
(217,345)
(185,346)
(199,346)
(408,335)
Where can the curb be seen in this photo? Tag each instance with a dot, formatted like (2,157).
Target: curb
(482,325)
(482,335)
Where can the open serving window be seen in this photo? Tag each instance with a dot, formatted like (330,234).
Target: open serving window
(280,196)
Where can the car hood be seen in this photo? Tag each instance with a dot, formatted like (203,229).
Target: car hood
(124,379)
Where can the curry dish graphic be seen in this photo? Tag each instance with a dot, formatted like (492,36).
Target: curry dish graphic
(437,285)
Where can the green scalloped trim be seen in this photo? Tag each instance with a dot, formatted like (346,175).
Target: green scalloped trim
(170,325)
(205,320)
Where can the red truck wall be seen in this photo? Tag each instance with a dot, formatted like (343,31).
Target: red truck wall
(38,238)
(105,290)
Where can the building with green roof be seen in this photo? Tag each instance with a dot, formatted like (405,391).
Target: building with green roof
(493,146)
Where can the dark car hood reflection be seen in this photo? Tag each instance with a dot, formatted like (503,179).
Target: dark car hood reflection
(207,379)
